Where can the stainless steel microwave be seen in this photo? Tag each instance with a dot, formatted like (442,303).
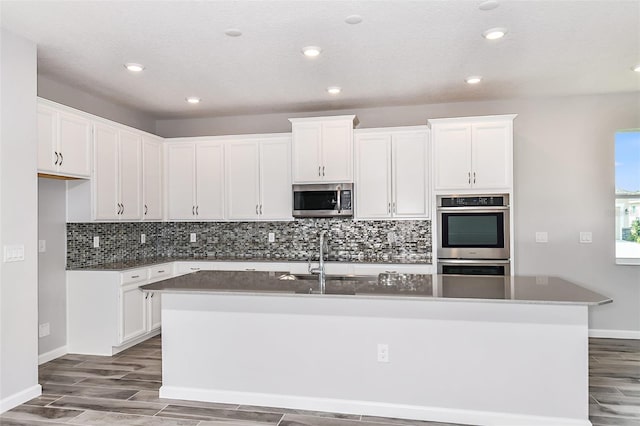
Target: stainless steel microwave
(323,200)
(473,227)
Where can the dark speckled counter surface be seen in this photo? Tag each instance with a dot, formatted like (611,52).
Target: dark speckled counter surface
(519,289)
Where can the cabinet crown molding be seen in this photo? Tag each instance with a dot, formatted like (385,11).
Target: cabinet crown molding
(327,118)
(473,119)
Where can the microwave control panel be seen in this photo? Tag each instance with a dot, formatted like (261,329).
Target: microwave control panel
(345,200)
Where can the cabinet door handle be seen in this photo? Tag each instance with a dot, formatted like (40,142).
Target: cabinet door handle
(261,209)
(318,170)
(135,276)
(257,210)
(161,271)
(145,209)
(195,269)
(61,159)
(322,170)
(389,208)
(193,210)
(469,178)
(474,177)
(57,158)
(146,296)
(119,209)
(197,208)
(395,209)
(151,295)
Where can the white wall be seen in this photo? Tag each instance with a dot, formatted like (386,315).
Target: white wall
(564,182)
(52,303)
(75,98)
(18,221)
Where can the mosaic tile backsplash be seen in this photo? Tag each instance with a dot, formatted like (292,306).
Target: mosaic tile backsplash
(347,240)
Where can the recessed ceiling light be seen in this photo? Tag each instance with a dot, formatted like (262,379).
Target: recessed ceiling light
(193,100)
(334,90)
(133,67)
(636,68)
(233,32)
(311,51)
(473,79)
(494,33)
(353,19)
(488,5)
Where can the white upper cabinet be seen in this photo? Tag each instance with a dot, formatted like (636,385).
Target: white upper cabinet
(322,149)
(473,153)
(210,181)
(151,179)
(392,174)
(64,142)
(258,179)
(181,180)
(118,174)
(130,172)
(275,179)
(195,180)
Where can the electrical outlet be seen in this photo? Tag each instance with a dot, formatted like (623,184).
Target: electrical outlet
(192,237)
(542,237)
(44,330)
(383,352)
(14,253)
(391,237)
(272,237)
(586,237)
(42,246)
(143,238)
(96,242)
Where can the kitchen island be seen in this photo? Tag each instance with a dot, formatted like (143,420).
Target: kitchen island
(463,349)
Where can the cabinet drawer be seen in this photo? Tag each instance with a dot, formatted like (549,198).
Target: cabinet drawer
(158,271)
(135,275)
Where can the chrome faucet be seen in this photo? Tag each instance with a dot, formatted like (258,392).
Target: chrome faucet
(320,269)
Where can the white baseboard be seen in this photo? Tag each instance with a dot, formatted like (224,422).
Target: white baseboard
(51,355)
(16,399)
(369,408)
(615,334)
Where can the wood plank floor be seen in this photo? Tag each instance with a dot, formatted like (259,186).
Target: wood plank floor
(123,390)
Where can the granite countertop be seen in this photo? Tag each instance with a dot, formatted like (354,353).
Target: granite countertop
(141,263)
(519,289)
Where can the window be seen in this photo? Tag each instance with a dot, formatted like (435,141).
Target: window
(627,159)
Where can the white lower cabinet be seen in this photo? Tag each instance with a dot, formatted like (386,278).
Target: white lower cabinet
(133,303)
(154,311)
(108,312)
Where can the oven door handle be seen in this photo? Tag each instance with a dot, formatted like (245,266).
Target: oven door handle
(474,261)
(339,196)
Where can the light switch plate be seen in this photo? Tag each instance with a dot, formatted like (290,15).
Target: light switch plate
(143,238)
(586,237)
(42,246)
(542,237)
(44,329)
(192,237)
(96,242)
(272,237)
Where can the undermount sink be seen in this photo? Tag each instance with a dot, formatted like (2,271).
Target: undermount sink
(314,277)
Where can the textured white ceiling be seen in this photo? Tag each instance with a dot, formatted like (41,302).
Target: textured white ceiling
(404,52)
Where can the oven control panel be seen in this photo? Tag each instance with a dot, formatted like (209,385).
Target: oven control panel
(475,201)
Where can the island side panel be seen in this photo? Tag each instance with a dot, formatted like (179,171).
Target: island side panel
(454,361)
